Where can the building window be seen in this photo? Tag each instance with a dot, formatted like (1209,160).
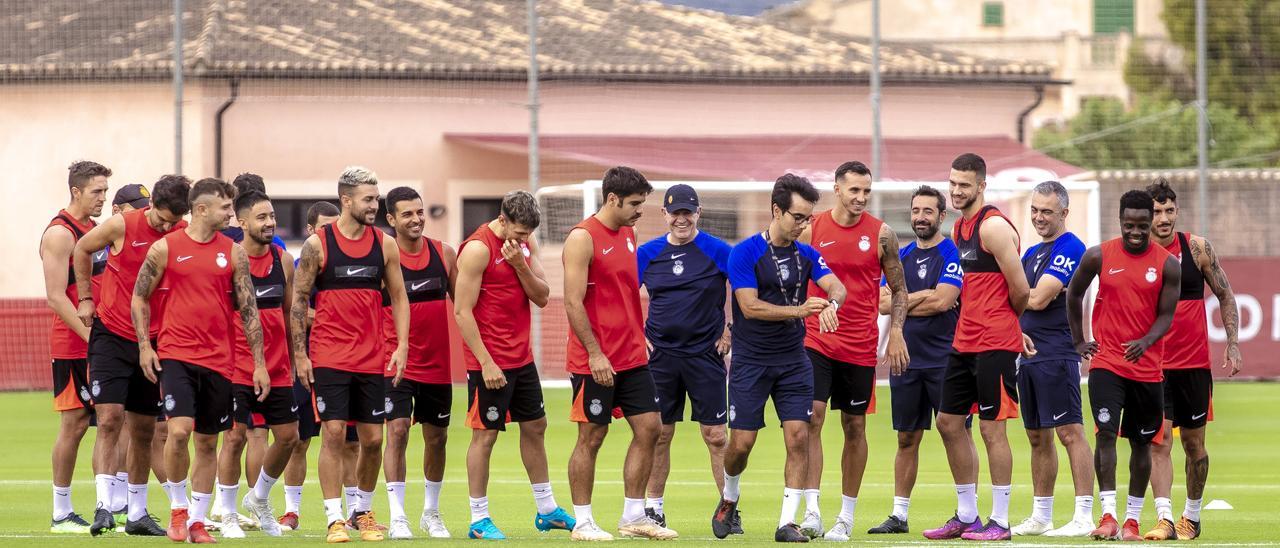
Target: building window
(993,14)
(478,211)
(1112,16)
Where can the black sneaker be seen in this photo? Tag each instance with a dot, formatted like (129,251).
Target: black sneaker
(103,522)
(722,520)
(660,519)
(790,533)
(892,525)
(145,527)
(735,523)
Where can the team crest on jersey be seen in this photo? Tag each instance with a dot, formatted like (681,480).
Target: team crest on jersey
(221,260)
(678,268)
(630,246)
(865,243)
(388,406)
(733,413)
(492,414)
(320,404)
(924,271)
(1151,275)
(1104,416)
(169,404)
(84,394)
(784,271)
(96,389)
(595,407)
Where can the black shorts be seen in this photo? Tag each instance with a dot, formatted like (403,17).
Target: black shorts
(115,375)
(1126,407)
(71,385)
(426,403)
(308,421)
(1188,397)
(279,407)
(850,387)
(197,392)
(632,392)
(345,396)
(915,396)
(985,383)
(519,400)
(702,377)
(1050,393)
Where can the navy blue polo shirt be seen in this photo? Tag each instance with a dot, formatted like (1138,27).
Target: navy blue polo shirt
(780,276)
(686,285)
(1048,328)
(929,337)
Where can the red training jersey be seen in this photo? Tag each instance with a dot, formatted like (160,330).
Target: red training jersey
(346,332)
(851,254)
(122,274)
(195,326)
(502,309)
(64,343)
(1186,345)
(267,273)
(1128,296)
(612,300)
(987,320)
(426,283)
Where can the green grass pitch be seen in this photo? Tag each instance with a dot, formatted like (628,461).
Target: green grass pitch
(1242,446)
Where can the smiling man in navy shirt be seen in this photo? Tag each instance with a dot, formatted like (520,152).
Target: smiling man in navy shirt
(685,271)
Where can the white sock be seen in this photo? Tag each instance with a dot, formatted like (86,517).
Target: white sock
(395,495)
(293,499)
(137,503)
(1164,508)
(811,501)
(1042,509)
(731,492)
(544,498)
(967,502)
(632,509)
(167,487)
(479,508)
(1000,504)
(199,506)
(227,496)
(61,502)
(262,488)
(1192,509)
(582,514)
(120,492)
(432,497)
(1133,509)
(847,507)
(790,503)
(900,507)
(656,503)
(364,500)
(104,483)
(349,496)
(1084,509)
(178,494)
(333,511)
(1108,499)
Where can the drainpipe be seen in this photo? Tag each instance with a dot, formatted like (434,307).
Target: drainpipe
(1022,117)
(217,127)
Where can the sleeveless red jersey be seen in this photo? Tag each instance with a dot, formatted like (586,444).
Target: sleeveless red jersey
(195,326)
(267,273)
(122,273)
(1186,345)
(426,283)
(1128,296)
(502,308)
(346,333)
(851,254)
(612,300)
(65,344)
(987,320)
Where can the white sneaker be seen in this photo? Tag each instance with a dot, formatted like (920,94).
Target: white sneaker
(588,530)
(210,525)
(399,529)
(812,525)
(263,512)
(231,527)
(433,524)
(646,527)
(839,532)
(1074,528)
(1031,527)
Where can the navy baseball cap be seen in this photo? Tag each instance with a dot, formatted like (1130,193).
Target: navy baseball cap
(680,197)
(135,195)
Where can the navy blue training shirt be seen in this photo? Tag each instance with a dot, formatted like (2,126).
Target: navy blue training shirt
(686,292)
(929,337)
(1048,328)
(778,280)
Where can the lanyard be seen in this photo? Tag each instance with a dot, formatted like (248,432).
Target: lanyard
(793,296)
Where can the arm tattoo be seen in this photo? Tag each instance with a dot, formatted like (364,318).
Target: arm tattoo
(148,276)
(1221,287)
(303,278)
(892,268)
(247,303)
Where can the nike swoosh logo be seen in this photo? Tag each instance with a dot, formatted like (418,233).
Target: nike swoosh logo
(784,260)
(140,244)
(1197,417)
(417,286)
(1060,415)
(857,402)
(809,412)
(261,292)
(720,414)
(966,255)
(443,415)
(985,407)
(224,418)
(352,271)
(1115,271)
(606,250)
(675,256)
(184,257)
(825,244)
(100,255)
(1147,432)
(293,409)
(376,413)
(498,262)
(918,261)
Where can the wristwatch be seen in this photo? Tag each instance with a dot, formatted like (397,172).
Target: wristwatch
(835,305)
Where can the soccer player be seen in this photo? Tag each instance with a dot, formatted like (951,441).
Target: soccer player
(349,262)
(981,371)
(770,273)
(858,248)
(199,271)
(915,394)
(117,383)
(1138,287)
(499,274)
(1188,382)
(69,337)
(1049,372)
(425,392)
(606,354)
(685,272)
(295,474)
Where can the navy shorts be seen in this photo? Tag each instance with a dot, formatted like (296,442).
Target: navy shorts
(1049,393)
(915,397)
(790,386)
(702,377)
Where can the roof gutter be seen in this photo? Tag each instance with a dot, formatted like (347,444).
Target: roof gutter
(1022,116)
(217,127)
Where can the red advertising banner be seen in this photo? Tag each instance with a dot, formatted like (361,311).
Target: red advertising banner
(1256,284)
